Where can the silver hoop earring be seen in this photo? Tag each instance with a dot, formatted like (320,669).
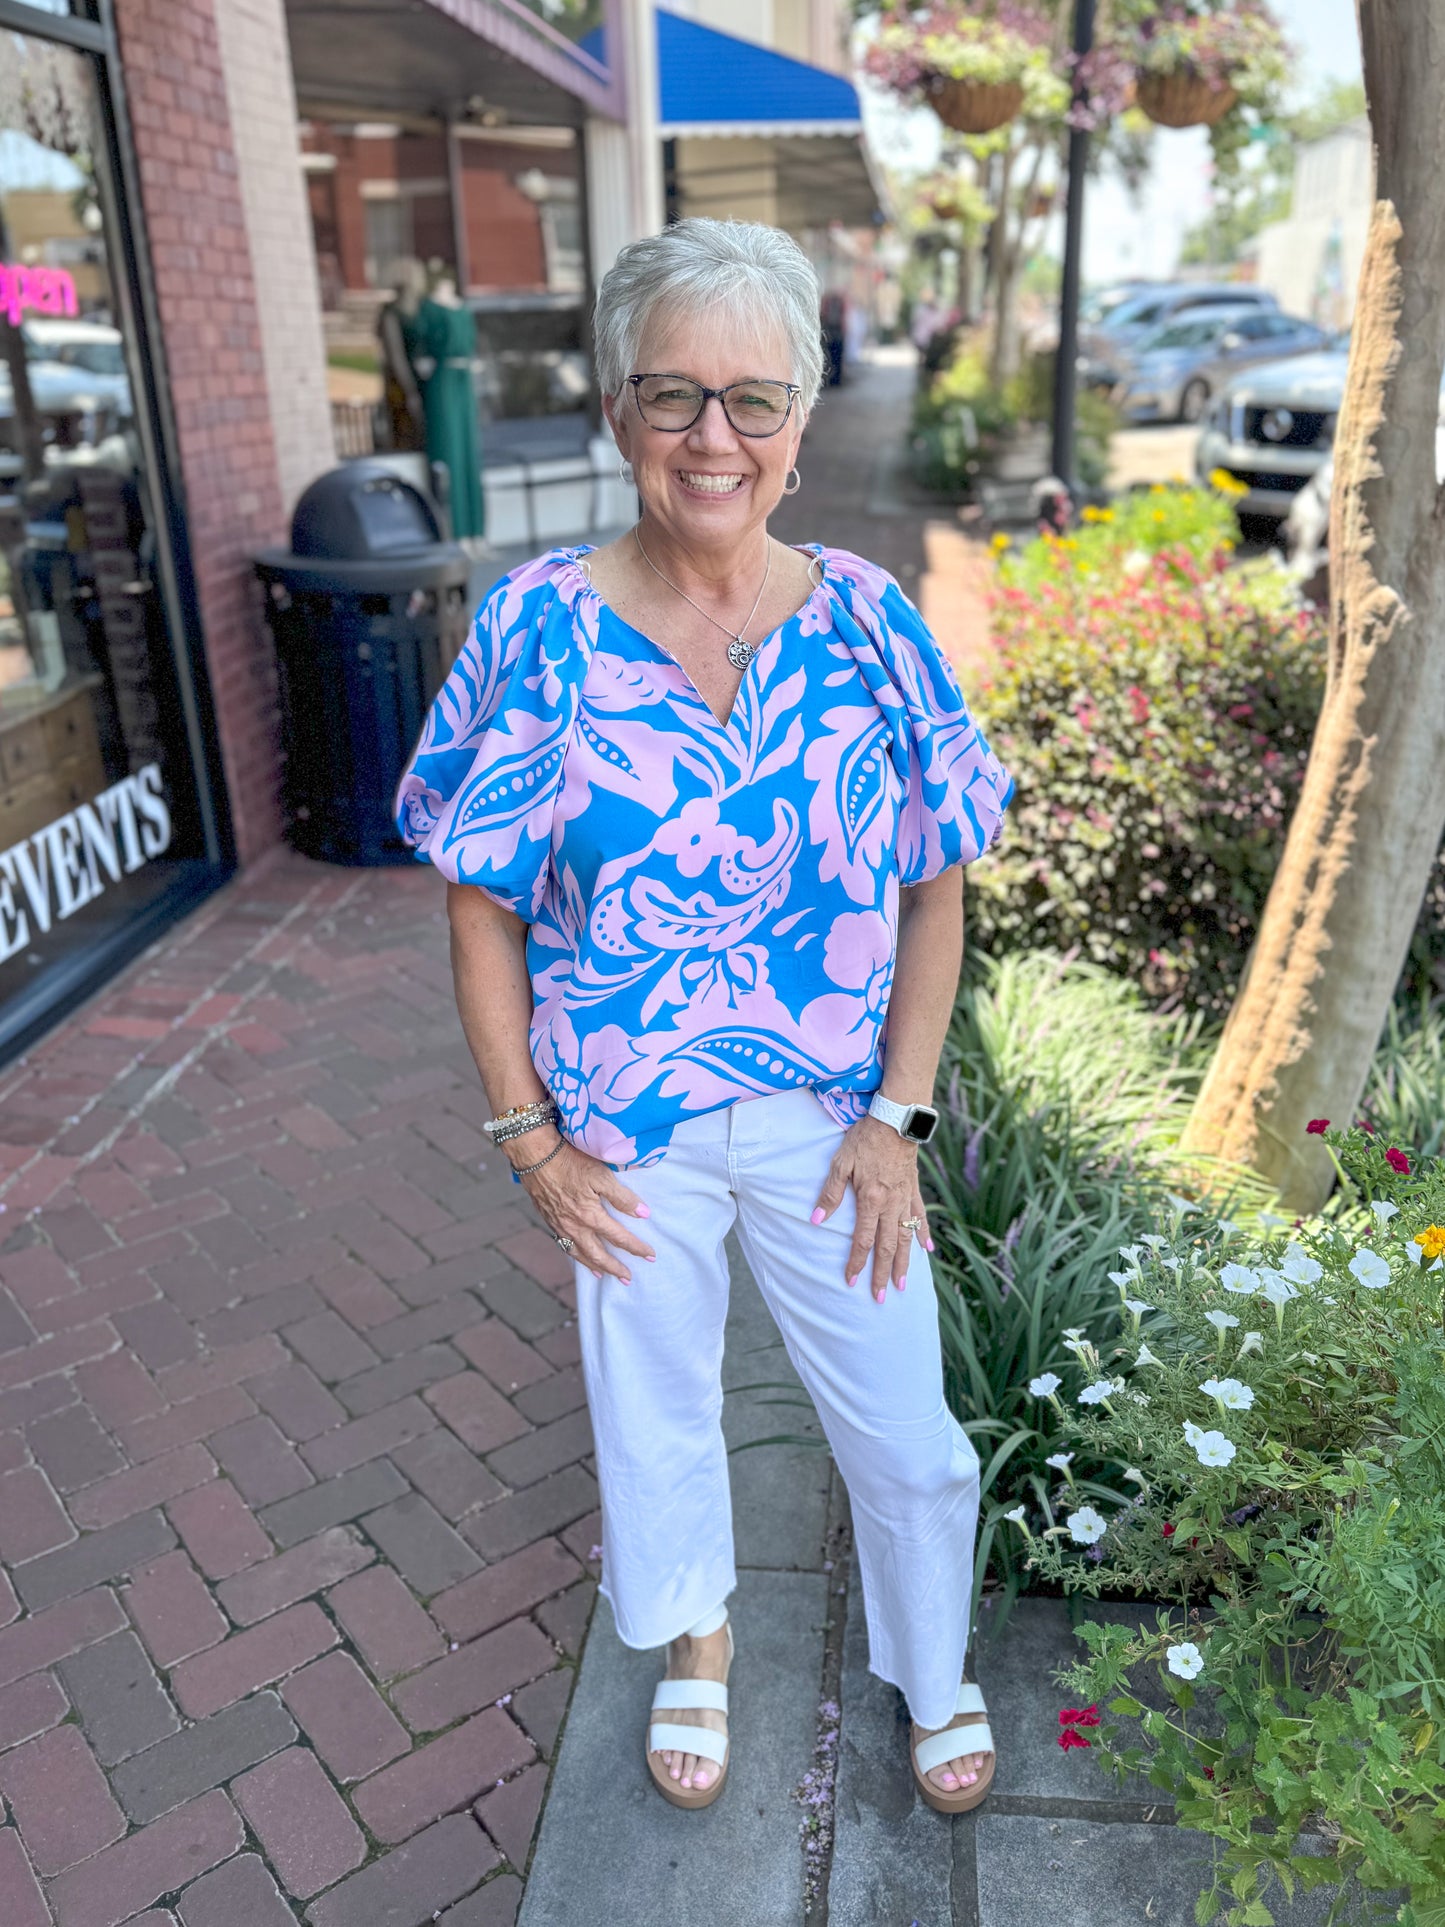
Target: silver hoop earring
(624,472)
(793,483)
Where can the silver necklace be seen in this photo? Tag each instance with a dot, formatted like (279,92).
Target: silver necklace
(740,653)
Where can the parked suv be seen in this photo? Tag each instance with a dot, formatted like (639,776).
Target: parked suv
(1272,428)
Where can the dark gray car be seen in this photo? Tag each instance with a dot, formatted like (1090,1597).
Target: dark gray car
(1172,374)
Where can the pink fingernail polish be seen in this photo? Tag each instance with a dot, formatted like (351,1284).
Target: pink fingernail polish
(852,1281)
(644,1211)
(928,1244)
(903,1284)
(818,1215)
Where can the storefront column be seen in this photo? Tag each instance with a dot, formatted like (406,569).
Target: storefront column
(221,398)
(624,159)
(261,94)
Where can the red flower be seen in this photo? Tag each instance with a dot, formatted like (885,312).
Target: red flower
(1317,1126)
(1138,702)
(1366,1125)
(1169,1531)
(1072,1737)
(1079,1716)
(1209,1773)
(1397,1161)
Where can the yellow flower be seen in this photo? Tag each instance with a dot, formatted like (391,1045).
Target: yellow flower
(1159,515)
(1088,513)
(1221,479)
(1104,515)
(999,543)
(1432,1240)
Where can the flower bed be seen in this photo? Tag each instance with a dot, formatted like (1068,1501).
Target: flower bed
(1155,705)
(1276,1410)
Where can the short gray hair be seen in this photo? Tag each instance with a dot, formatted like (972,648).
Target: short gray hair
(756,272)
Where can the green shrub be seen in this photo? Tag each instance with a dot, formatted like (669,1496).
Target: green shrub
(963,424)
(1155,707)
(1279,1411)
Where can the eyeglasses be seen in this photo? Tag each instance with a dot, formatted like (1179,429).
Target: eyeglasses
(674,402)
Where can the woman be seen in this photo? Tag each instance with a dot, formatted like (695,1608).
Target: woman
(702,800)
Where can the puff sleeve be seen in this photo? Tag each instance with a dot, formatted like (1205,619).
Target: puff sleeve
(478,795)
(955,790)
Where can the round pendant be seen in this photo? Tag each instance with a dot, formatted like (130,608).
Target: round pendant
(740,653)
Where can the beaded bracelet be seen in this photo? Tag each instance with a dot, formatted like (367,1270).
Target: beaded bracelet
(522,1117)
(519,1171)
(532,1122)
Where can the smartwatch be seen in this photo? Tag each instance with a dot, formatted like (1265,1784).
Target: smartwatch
(915,1122)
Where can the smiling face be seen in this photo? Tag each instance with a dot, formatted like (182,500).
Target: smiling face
(709,488)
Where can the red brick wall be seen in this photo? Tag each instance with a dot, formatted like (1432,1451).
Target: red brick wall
(206,295)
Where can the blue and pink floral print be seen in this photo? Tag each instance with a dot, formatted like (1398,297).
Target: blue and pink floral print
(713,907)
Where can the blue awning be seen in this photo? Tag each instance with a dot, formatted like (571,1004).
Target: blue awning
(713,83)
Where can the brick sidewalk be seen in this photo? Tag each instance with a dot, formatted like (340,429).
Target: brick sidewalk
(296,1505)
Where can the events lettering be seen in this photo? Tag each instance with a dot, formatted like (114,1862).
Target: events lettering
(61,868)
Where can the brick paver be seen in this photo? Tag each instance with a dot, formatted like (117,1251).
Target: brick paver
(295,1474)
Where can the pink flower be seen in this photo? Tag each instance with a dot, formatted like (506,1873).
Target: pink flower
(1079,1716)
(1317,1126)
(1072,1737)
(1397,1161)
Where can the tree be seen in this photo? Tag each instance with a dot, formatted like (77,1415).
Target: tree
(1336,927)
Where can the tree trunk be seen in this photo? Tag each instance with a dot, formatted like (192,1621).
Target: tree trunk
(1338,921)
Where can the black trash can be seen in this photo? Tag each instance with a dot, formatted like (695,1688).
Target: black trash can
(368,611)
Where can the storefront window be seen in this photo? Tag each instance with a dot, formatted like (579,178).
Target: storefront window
(99,805)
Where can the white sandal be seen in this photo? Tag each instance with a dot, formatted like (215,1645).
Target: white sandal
(967,1733)
(677,1695)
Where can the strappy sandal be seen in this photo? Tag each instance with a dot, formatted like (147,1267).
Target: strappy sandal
(676,1695)
(967,1732)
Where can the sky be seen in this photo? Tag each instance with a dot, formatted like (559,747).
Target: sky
(1123,234)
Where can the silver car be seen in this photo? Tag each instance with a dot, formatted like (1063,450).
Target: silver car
(1172,374)
(1153,308)
(1272,428)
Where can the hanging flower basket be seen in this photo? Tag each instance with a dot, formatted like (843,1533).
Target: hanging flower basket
(974,106)
(1184,98)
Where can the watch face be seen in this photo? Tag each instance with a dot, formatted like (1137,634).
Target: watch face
(920,1124)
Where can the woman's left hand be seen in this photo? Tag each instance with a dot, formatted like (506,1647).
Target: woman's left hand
(882,1168)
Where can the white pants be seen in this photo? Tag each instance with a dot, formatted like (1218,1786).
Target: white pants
(652,1357)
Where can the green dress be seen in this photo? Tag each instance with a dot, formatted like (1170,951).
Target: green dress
(448,335)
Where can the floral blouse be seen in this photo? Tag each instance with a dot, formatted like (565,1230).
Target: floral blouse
(713,907)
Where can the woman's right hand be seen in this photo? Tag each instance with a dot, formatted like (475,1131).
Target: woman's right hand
(572,1191)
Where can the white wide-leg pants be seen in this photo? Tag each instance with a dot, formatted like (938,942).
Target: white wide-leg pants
(652,1358)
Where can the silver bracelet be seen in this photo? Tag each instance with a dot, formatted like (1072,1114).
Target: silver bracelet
(519,1127)
(520,1118)
(519,1171)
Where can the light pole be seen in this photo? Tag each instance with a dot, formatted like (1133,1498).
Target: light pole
(1066,374)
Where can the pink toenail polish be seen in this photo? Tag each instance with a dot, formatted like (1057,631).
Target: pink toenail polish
(818,1215)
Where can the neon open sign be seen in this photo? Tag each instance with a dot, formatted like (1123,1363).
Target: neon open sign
(45,290)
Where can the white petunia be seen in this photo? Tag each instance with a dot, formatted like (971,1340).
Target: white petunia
(1278,1289)
(1060,1461)
(1271,1221)
(1096,1393)
(1251,1342)
(1182,1205)
(1131,1252)
(1370,1269)
(1016,1515)
(1123,1279)
(1299,1268)
(1232,1395)
(1172,1264)
(1132,1472)
(1146,1357)
(1140,1398)
(1137,1306)
(1073,1331)
(1227,1226)
(1414,1252)
(1239,1278)
(1045,1385)
(1153,1239)
(1185,1661)
(1384,1210)
(1086,1526)
(1210,1448)
(1222,1321)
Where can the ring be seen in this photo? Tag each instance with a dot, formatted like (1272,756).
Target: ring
(909,1224)
(564,1243)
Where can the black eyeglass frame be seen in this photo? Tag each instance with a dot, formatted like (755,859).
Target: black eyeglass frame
(718,395)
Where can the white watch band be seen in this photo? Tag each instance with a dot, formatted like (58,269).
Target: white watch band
(887,1112)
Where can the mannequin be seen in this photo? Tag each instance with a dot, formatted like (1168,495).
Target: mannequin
(396,330)
(446,343)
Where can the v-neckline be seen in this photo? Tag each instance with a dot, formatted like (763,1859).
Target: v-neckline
(724,723)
